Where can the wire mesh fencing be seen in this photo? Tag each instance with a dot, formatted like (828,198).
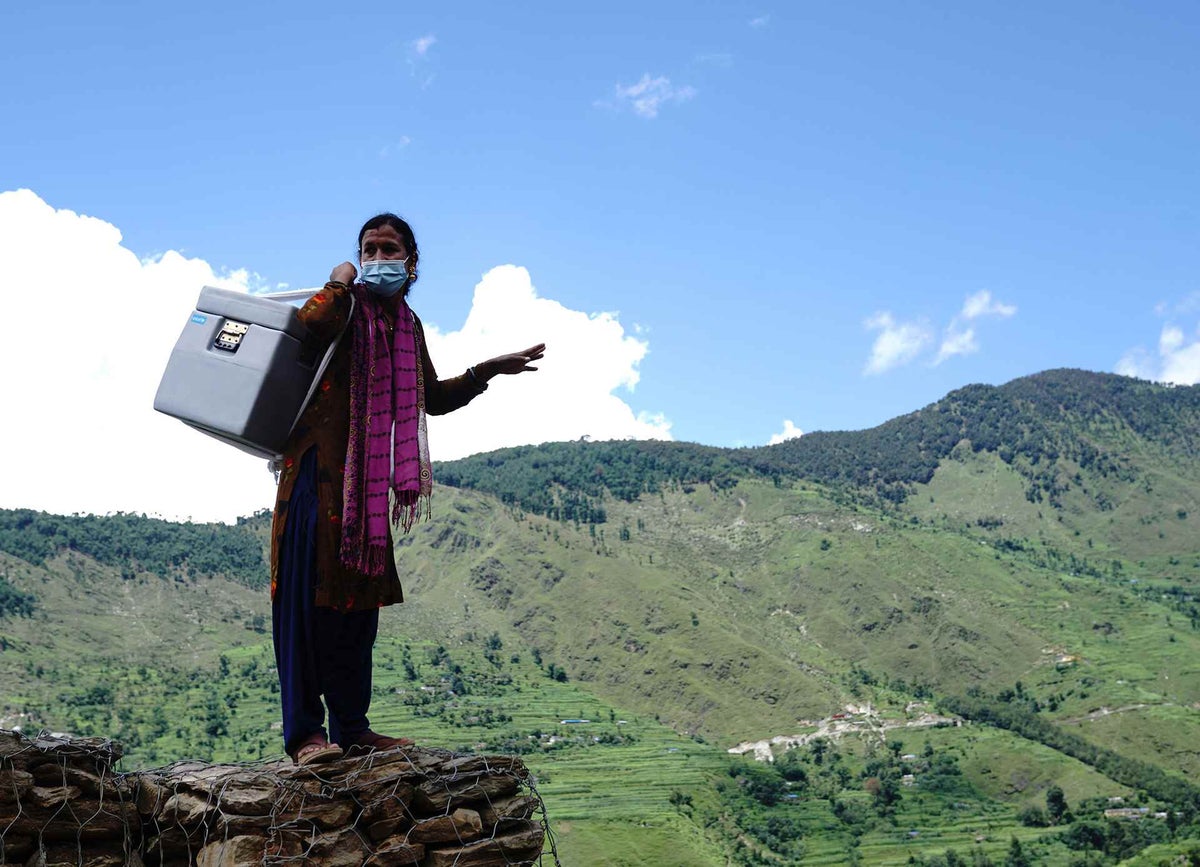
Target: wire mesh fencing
(61,803)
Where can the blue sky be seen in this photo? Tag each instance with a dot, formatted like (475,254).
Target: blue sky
(795,210)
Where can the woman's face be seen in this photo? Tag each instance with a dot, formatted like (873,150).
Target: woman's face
(382,243)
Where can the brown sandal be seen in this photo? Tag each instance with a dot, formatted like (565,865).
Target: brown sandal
(370,741)
(316,749)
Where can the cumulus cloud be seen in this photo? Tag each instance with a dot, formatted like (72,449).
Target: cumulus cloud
(1177,359)
(84,365)
(649,94)
(589,358)
(898,342)
(789,432)
(84,369)
(1170,341)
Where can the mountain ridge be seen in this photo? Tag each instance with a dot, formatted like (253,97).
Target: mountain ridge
(1017,420)
(1032,572)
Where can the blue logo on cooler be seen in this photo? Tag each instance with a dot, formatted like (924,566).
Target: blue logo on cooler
(199,318)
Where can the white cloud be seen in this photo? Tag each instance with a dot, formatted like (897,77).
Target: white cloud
(1170,341)
(959,336)
(789,432)
(760,21)
(981,304)
(99,327)
(418,50)
(422,44)
(85,361)
(1177,360)
(572,394)
(1137,363)
(649,94)
(898,342)
(1182,366)
(957,340)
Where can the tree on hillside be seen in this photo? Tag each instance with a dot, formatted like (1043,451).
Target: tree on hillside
(1056,805)
(13,602)
(818,747)
(1016,855)
(889,793)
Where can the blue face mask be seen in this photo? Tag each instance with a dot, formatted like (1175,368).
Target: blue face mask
(385,277)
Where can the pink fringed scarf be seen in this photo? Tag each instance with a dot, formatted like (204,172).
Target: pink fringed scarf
(388,449)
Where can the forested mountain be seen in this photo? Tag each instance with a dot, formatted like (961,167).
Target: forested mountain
(1029,423)
(1022,556)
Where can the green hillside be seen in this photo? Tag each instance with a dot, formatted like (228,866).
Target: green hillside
(1038,425)
(1023,557)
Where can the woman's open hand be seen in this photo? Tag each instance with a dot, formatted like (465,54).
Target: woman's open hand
(516,362)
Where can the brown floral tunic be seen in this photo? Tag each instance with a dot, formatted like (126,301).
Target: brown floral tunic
(325,426)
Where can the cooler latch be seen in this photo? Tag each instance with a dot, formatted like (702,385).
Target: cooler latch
(231,335)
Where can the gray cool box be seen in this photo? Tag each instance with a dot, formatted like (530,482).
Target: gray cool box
(242,371)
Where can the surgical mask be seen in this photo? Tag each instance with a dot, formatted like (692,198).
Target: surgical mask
(385,277)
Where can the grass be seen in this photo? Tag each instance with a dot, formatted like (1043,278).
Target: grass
(1168,730)
(700,617)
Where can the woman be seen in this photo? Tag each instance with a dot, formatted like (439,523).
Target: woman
(356,462)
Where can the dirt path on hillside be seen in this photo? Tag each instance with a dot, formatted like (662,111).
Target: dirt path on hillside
(1103,712)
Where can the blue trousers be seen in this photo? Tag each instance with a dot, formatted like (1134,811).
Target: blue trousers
(318,651)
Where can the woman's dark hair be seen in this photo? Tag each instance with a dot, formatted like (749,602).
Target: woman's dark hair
(404,230)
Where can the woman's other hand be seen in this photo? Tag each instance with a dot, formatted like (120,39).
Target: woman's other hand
(517,362)
(343,273)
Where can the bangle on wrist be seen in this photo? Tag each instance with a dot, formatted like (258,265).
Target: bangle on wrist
(479,383)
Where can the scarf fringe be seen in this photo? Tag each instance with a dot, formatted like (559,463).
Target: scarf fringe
(418,508)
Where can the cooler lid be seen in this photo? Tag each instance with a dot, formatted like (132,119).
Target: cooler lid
(276,315)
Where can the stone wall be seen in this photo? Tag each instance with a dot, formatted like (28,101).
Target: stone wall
(61,803)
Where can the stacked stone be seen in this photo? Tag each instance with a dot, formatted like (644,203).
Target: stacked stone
(406,806)
(61,803)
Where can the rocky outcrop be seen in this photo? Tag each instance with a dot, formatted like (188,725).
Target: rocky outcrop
(61,803)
